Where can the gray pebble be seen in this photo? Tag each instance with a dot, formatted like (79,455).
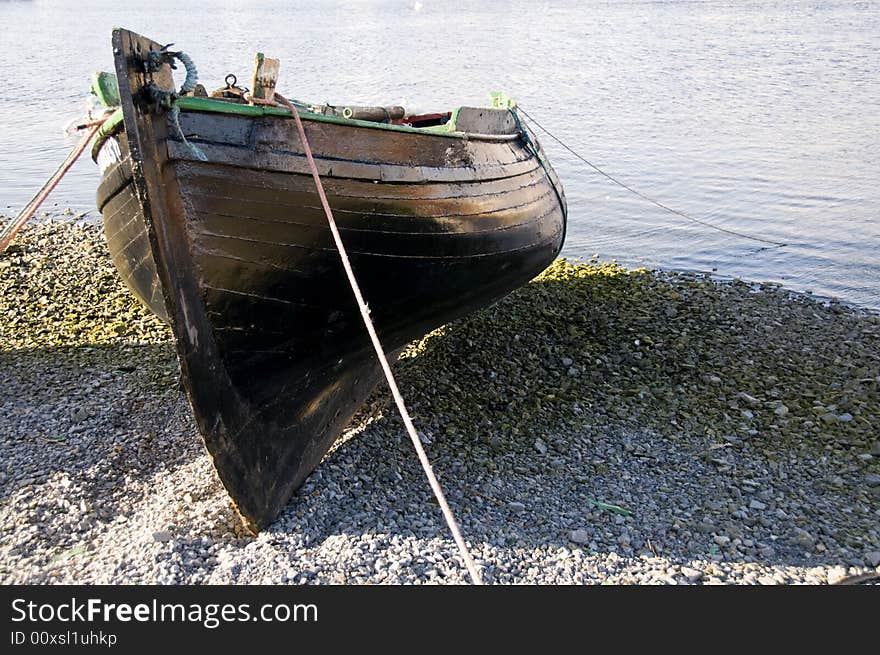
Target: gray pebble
(691,575)
(751,400)
(872,558)
(836,574)
(803,537)
(705,527)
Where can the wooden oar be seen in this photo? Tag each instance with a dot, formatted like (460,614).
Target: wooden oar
(9,232)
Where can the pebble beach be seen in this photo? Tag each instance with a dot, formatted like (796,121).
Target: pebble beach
(598,426)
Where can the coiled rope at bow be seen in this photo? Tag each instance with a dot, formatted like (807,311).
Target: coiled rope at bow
(10,231)
(168,99)
(380,353)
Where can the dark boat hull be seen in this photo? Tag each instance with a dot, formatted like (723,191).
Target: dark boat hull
(235,253)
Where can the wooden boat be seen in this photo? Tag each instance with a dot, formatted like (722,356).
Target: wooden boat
(218,229)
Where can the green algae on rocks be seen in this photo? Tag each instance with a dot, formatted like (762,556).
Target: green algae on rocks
(672,352)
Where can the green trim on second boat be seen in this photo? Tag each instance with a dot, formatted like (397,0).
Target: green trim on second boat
(105,87)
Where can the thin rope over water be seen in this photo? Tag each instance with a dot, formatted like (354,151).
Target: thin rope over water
(380,353)
(736,233)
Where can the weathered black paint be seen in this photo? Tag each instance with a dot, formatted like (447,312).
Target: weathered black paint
(236,254)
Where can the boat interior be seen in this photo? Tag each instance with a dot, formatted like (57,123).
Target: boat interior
(473,121)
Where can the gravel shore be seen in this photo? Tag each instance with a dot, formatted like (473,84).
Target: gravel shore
(597,426)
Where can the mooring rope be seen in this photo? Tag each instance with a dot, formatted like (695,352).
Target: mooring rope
(380,353)
(168,99)
(742,235)
(158,58)
(174,117)
(529,142)
(11,230)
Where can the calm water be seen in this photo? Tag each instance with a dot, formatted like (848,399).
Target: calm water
(756,116)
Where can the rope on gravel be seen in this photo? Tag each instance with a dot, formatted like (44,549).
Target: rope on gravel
(380,353)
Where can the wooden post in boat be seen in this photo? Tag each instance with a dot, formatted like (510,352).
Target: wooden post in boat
(265,77)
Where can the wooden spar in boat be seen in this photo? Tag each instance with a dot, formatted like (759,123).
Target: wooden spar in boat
(235,253)
(355,112)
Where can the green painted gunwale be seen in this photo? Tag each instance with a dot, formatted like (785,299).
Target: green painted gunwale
(209,105)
